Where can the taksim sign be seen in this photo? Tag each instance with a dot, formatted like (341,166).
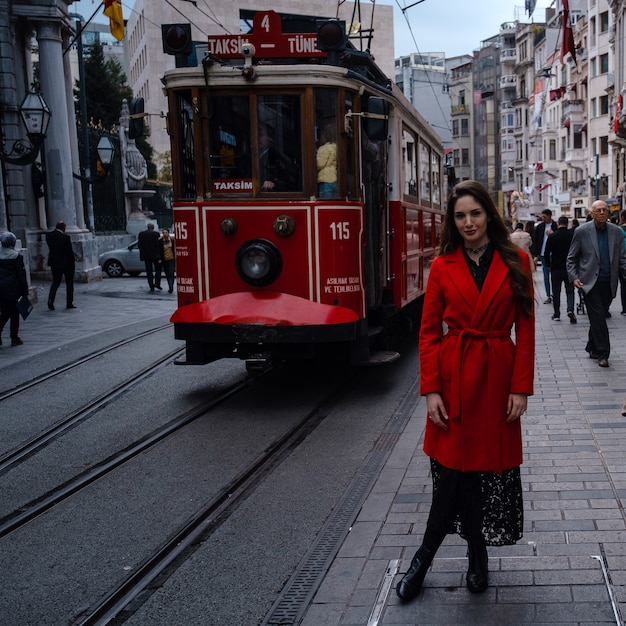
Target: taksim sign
(268,40)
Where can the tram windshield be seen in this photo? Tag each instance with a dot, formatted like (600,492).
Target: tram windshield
(273,154)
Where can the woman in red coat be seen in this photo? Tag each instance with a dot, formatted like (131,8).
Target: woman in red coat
(476,381)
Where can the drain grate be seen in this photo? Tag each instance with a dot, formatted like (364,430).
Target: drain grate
(297,594)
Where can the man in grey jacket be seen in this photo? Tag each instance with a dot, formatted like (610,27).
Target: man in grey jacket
(594,262)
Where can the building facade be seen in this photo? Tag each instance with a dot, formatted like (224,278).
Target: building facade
(41,30)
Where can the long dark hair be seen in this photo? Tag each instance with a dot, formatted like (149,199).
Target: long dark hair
(498,233)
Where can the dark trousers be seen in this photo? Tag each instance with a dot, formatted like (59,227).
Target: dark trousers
(8,311)
(57,276)
(559,277)
(168,270)
(457,493)
(153,270)
(622,290)
(598,300)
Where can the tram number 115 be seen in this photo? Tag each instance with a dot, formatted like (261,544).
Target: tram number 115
(180,228)
(340,230)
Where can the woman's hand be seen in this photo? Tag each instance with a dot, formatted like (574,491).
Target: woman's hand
(436,410)
(516,406)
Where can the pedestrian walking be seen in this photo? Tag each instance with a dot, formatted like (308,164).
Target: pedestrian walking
(524,241)
(595,260)
(622,279)
(150,254)
(476,381)
(13,285)
(542,232)
(62,263)
(168,258)
(556,252)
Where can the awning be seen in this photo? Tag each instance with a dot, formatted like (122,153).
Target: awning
(566,122)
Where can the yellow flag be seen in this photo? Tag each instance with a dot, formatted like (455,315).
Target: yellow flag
(113,10)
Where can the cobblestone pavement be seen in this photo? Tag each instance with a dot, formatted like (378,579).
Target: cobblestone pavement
(101,306)
(570,566)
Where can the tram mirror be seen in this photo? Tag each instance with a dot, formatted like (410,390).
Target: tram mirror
(375,127)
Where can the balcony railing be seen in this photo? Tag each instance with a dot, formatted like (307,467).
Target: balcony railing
(508,82)
(573,106)
(508,55)
(575,154)
(459,108)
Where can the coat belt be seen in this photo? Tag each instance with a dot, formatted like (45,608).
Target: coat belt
(494,371)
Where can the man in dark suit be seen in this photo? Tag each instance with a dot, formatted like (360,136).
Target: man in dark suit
(150,254)
(62,263)
(557,248)
(540,238)
(596,258)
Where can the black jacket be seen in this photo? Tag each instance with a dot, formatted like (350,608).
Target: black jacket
(538,237)
(149,245)
(13,282)
(557,248)
(61,256)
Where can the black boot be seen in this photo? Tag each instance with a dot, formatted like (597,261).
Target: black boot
(478,570)
(411,584)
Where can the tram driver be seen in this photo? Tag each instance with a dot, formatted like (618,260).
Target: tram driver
(277,172)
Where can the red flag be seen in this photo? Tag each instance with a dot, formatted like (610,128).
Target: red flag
(618,109)
(113,10)
(567,35)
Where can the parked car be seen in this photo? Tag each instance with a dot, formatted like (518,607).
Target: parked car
(124,260)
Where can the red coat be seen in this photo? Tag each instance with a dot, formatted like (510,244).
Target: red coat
(475,364)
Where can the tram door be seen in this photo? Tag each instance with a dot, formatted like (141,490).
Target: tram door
(374,151)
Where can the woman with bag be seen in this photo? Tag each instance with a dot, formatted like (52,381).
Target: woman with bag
(476,380)
(13,285)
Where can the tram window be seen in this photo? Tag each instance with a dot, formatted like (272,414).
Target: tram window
(436,174)
(229,136)
(349,145)
(438,228)
(186,146)
(279,143)
(326,156)
(428,231)
(424,170)
(409,163)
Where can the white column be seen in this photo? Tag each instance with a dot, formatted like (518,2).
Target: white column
(58,151)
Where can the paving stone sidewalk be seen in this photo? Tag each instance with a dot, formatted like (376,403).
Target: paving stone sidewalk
(108,304)
(570,566)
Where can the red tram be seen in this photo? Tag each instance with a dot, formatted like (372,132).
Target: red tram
(308,198)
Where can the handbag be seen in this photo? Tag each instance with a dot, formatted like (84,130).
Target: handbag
(24,306)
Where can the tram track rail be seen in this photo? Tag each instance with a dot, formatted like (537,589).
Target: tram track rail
(78,362)
(123,601)
(42,439)
(40,505)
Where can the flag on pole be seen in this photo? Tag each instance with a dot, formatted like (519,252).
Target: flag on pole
(530,7)
(567,35)
(113,10)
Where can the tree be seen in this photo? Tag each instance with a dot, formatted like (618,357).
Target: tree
(104,89)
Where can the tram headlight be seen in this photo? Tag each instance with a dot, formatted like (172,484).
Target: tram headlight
(259,262)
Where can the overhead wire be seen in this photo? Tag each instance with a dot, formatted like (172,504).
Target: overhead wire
(445,116)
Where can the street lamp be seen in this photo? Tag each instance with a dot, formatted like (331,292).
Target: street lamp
(106,150)
(35,116)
